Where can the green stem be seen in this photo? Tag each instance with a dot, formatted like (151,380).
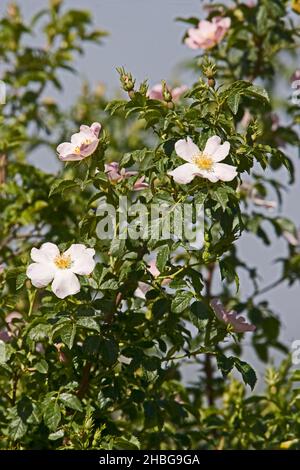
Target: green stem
(31,296)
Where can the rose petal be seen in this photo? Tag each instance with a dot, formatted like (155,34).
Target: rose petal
(221,152)
(83,262)
(186,149)
(65,283)
(46,253)
(212,145)
(225,172)
(184,173)
(40,274)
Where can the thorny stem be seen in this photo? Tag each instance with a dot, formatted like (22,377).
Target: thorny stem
(84,384)
(208,368)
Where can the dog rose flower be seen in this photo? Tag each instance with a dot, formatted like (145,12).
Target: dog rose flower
(115,175)
(238,323)
(203,163)
(82,145)
(60,268)
(208,33)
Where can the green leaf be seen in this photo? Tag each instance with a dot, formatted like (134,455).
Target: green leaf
(225,364)
(221,195)
(233,102)
(110,284)
(201,310)
(109,352)
(60,186)
(39,332)
(257,92)
(89,323)
(228,272)
(162,258)
(41,366)
(67,334)
(17,429)
(56,435)
(248,374)
(3,355)
(181,301)
(20,281)
(115,105)
(52,415)
(71,401)
(124,444)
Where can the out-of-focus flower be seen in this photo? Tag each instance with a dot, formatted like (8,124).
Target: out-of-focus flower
(40,348)
(156,92)
(61,355)
(140,184)
(291,238)
(60,268)
(295,76)
(245,121)
(5,335)
(82,145)
(238,323)
(249,190)
(208,33)
(115,175)
(143,288)
(264,203)
(203,163)
(12,329)
(250,3)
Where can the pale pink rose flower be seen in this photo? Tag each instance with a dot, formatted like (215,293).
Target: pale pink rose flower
(238,323)
(82,145)
(250,3)
(156,92)
(115,175)
(205,164)
(140,184)
(152,268)
(13,316)
(208,33)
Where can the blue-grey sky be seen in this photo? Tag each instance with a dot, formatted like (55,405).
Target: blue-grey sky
(146,40)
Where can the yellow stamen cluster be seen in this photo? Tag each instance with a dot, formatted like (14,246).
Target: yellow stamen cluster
(203,161)
(63,261)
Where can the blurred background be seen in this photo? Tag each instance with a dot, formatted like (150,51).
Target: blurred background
(145,38)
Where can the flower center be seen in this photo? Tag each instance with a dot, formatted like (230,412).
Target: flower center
(63,261)
(77,150)
(203,161)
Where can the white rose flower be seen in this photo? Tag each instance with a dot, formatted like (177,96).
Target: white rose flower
(203,163)
(60,268)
